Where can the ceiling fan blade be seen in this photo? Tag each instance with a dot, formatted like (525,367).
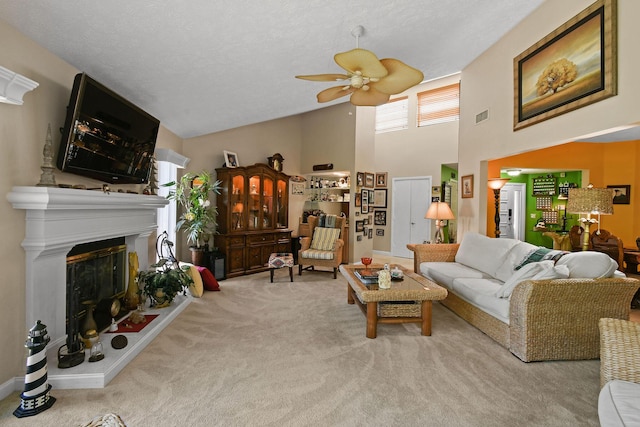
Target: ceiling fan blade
(400,78)
(361,60)
(324,77)
(369,98)
(334,93)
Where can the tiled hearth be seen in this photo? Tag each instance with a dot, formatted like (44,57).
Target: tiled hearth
(57,219)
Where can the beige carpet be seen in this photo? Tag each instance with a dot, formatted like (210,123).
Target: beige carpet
(295,354)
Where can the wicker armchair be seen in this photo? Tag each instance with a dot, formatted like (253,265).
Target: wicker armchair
(320,258)
(619,350)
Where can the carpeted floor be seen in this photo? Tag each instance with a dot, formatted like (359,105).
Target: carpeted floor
(295,354)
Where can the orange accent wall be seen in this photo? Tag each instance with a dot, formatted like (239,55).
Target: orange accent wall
(614,163)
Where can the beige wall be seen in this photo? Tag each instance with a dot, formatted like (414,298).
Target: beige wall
(417,151)
(488,84)
(23,130)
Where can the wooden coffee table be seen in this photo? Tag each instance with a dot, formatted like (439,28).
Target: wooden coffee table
(408,300)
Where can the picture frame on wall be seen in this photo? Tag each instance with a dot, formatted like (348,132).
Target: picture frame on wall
(360,179)
(466,183)
(231,159)
(380,217)
(359,226)
(584,49)
(368,179)
(380,232)
(621,194)
(371,233)
(297,188)
(381,179)
(380,198)
(358,200)
(364,195)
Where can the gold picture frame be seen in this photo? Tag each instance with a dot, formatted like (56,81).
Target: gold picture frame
(466,183)
(573,66)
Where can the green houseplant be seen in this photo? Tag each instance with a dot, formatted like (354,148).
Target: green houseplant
(199,218)
(163,281)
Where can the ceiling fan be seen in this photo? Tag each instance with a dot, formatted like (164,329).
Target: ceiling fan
(369,80)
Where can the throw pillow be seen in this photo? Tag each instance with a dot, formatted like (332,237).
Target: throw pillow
(196,289)
(541,254)
(324,239)
(208,279)
(588,265)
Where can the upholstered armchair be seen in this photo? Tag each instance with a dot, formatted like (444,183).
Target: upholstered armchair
(324,247)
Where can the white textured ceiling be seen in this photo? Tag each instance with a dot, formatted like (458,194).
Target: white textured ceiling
(203,66)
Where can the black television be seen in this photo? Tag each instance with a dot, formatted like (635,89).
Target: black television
(106,137)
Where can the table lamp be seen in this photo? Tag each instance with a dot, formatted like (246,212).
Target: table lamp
(590,201)
(439,211)
(496,185)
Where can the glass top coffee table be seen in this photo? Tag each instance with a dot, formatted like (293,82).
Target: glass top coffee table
(408,301)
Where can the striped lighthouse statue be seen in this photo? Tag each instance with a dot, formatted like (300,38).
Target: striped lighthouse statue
(35,397)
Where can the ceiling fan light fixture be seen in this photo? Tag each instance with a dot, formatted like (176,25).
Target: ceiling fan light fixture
(371,80)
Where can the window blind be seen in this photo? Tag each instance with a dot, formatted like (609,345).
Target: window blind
(394,115)
(439,105)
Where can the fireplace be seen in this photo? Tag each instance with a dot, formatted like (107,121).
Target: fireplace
(57,220)
(96,272)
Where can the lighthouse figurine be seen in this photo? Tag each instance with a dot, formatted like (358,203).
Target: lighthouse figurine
(35,397)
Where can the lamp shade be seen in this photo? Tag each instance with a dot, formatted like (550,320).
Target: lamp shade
(439,210)
(590,200)
(497,183)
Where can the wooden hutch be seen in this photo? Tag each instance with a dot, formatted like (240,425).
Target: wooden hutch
(253,212)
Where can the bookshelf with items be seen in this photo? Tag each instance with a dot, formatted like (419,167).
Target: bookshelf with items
(329,193)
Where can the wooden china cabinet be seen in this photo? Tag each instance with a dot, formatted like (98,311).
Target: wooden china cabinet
(253,211)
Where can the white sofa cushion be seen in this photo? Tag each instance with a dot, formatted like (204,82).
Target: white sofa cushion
(481,293)
(514,256)
(445,272)
(483,253)
(588,265)
(534,271)
(619,404)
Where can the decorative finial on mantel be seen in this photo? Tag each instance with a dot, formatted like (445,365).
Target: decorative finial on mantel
(47,179)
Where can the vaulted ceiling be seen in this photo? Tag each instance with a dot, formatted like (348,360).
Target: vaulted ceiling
(203,66)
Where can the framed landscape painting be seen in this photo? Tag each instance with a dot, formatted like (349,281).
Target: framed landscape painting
(573,66)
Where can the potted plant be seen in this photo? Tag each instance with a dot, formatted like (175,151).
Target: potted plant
(198,219)
(163,281)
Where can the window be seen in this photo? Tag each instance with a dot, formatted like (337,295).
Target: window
(394,115)
(439,105)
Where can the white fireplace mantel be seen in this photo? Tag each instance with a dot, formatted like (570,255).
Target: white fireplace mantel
(57,219)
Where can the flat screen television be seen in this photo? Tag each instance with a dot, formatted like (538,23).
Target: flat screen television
(106,137)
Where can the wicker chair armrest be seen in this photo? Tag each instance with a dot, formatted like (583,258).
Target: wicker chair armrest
(558,319)
(305,243)
(442,252)
(619,350)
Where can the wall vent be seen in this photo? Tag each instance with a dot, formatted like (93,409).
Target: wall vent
(481,117)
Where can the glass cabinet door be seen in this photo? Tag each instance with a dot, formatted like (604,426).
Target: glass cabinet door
(254,202)
(281,204)
(267,203)
(237,202)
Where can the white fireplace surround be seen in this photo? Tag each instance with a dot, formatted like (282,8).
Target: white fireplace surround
(57,219)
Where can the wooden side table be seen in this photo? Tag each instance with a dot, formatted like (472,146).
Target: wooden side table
(631,260)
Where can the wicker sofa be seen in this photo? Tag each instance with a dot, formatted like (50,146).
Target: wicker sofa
(549,319)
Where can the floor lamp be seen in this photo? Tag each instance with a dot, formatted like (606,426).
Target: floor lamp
(439,211)
(590,201)
(496,185)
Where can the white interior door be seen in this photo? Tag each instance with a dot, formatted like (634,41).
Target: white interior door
(512,210)
(411,199)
